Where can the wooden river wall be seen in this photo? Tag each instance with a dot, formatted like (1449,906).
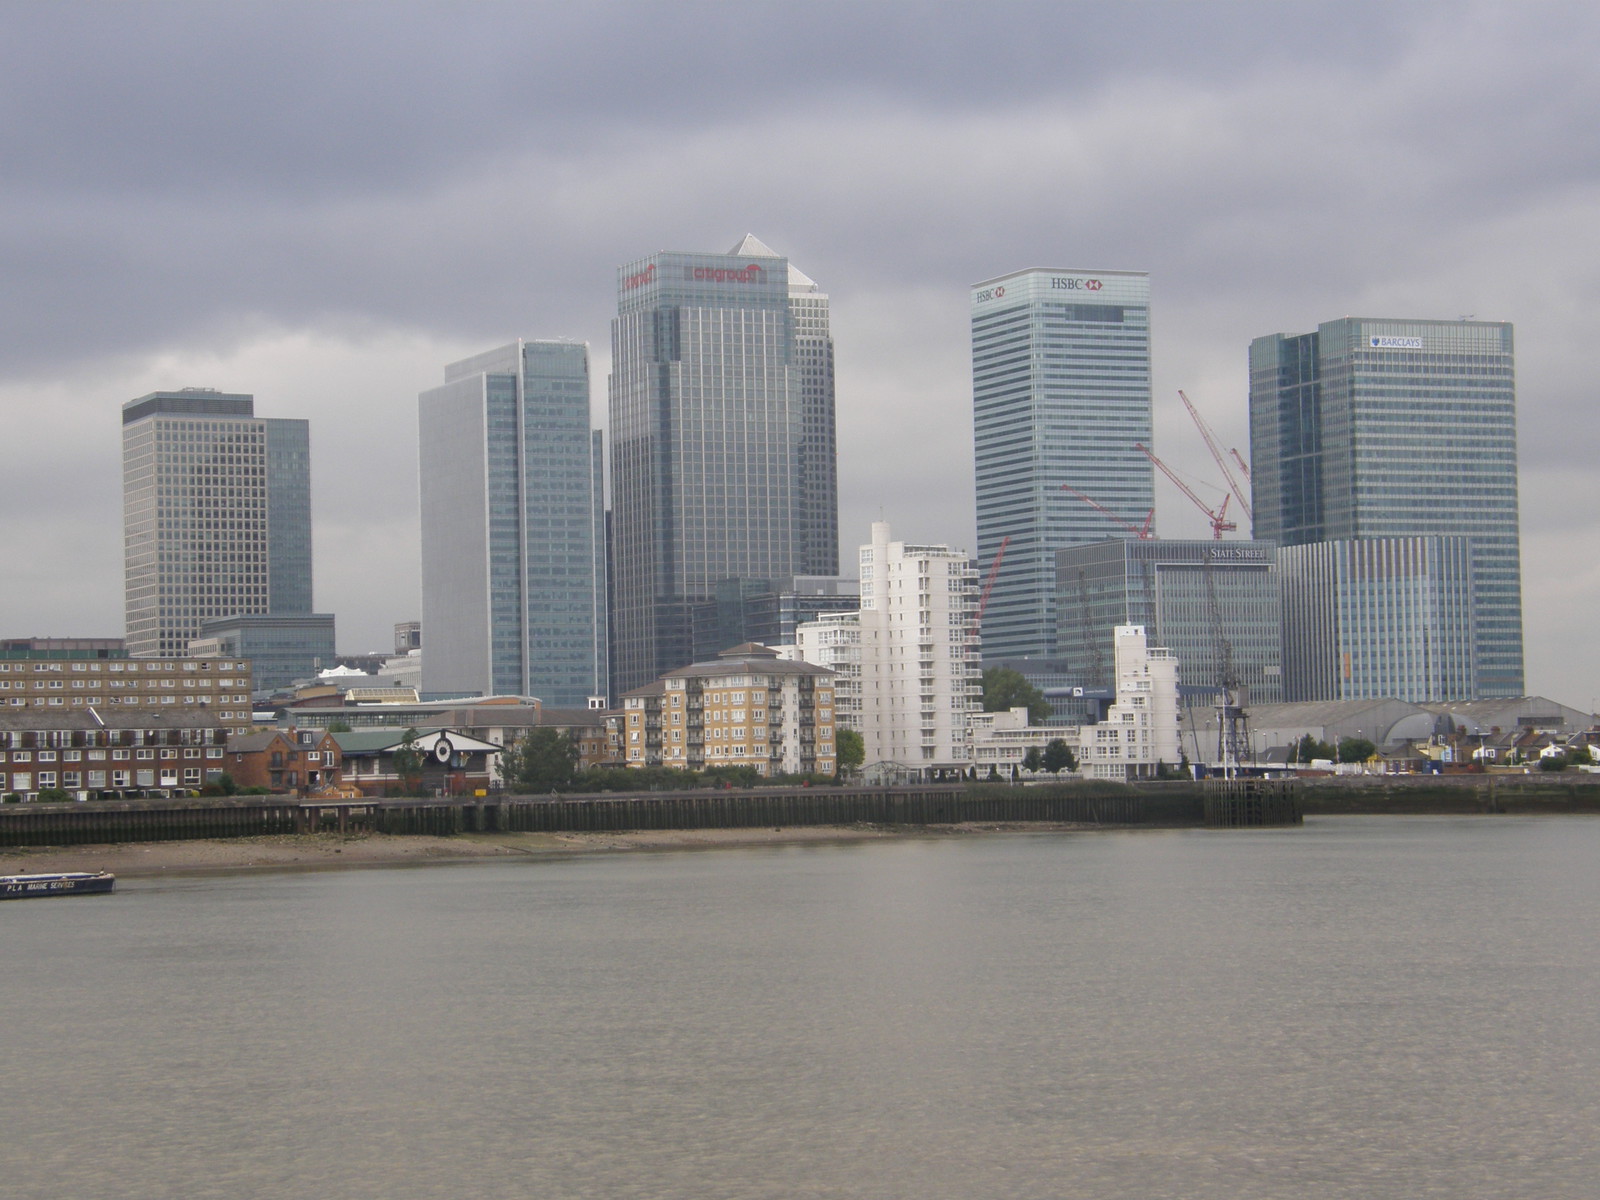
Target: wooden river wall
(169,820)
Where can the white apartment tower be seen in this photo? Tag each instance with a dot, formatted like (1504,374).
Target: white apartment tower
(1141,729)
(919,674)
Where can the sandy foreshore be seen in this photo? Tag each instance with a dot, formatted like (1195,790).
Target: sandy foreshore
(322,850)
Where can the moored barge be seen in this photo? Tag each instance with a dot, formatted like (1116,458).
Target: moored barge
(67,883)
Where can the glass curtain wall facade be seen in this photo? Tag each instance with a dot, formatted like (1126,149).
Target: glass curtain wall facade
(1168,587)
(1380,618)
(513,528)
(216,515)
(1372,429)
(1061,395)
(722,442)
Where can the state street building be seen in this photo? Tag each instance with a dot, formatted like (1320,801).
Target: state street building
(722,442)
(1213,604)
(1061,396)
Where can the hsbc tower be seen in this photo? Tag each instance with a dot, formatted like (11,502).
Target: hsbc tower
(1060,396)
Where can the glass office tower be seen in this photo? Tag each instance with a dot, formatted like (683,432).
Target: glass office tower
(1372,429)
(216,515)
(722,442)
(1378,618)
(1061,395)
(1204,600)
(513,528)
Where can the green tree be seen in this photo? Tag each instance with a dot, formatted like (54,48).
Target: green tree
(408,762)
(1004,688)
(851,749)
(1308,749)
(1355,749)
(58,796)
(1547,762)
(1033,759)
(1058,757)
(545,760)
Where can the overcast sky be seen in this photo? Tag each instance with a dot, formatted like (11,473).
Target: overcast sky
(323,204)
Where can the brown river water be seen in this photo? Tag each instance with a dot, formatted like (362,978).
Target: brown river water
(1363,1007)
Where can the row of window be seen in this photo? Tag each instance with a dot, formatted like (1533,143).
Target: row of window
(24,782)
(117,755)
(131,666)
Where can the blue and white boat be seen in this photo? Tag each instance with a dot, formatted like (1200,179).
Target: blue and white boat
(68,883)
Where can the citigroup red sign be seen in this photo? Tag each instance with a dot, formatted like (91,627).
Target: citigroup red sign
(639,278)
(750,274)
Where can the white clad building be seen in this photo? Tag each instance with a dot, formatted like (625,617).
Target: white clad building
(834,641)
(1141,727)
(920,680)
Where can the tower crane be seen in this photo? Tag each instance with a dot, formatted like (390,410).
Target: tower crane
(1219,518)
(1232,727)
(1216,454)
(988,586)
(1142,532)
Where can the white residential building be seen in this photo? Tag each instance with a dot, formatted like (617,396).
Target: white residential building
(1002,740)
(833,640)
(1141,727)
(916,651)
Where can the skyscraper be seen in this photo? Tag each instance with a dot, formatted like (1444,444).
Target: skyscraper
(216,515)
(1215,605)
(1061,395)
(722,442)
(1371,429)
(513,528)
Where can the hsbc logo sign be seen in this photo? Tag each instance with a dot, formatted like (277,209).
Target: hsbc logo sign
(1058,283)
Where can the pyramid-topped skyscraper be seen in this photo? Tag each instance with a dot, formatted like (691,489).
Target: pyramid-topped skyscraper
(722,434)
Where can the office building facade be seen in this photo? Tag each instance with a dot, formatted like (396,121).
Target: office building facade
(282,650)
(1375,429)
(1061,396)
(1214,605)
(768,611)
(722,435)
(1379,618)
(513,528)
(216,515)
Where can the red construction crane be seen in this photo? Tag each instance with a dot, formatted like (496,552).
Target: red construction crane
(1142,532)
(1216,453)
(988,586)
(1219,518)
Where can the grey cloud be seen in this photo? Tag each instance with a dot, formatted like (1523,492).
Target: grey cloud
(183,180)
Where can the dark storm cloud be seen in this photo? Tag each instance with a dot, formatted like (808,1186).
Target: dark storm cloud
(320,203)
